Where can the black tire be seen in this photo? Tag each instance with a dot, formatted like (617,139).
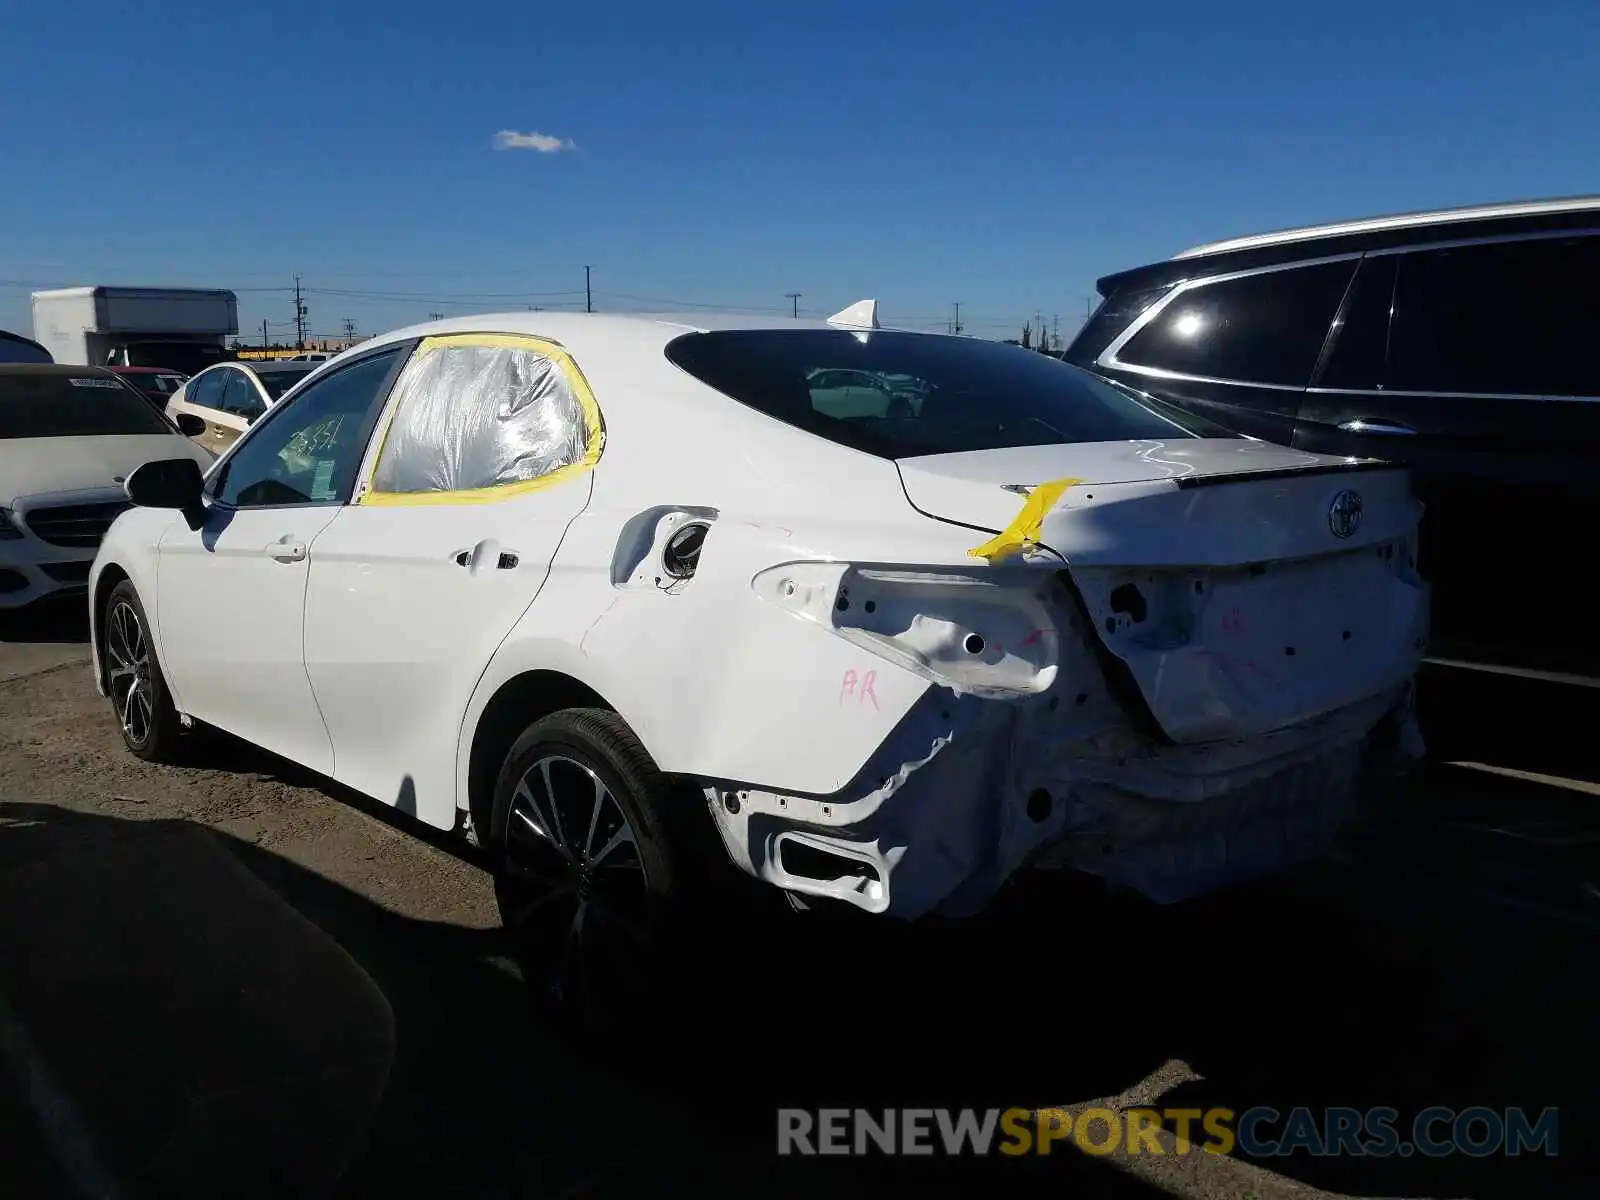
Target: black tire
(601,915)
(138,691)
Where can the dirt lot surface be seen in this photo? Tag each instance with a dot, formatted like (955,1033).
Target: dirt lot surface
(232,978)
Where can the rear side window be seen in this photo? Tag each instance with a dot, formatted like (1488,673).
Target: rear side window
(485,411)
(205,391)
(1115,314)
(899,395)
(1512,317)
(1266,328)
(52,405)
(240,397)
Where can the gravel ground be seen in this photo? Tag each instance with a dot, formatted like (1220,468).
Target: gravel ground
(1446,957)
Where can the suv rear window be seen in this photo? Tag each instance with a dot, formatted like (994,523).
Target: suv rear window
(899,395)
(1266,328)
(51,405)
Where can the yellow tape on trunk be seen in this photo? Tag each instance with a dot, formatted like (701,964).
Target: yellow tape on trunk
(1023,532)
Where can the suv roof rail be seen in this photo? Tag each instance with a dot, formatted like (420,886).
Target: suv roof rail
(1443,216)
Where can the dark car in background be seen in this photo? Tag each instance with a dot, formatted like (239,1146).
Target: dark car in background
(14,348)
(157,383)
(1456,342)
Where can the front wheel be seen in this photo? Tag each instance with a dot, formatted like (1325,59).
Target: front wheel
(138,690)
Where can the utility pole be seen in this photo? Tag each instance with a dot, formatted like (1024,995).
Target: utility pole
(300,314)
(955,325)
(1055,336)
(263,333)
(794,303)
(588,296)
(349,330)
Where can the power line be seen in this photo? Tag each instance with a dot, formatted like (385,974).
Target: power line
(433,297)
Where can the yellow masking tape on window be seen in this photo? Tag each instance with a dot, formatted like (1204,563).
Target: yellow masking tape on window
(594,441)
(1023,532)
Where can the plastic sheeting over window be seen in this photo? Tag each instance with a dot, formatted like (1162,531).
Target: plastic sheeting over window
(472,413)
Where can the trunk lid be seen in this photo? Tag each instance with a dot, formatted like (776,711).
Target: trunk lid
(1241,586)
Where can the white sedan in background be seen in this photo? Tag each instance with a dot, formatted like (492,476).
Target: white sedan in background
(69,438)
(230,397)
(604,590)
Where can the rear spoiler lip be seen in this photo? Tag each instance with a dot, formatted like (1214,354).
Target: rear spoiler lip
(1370,464)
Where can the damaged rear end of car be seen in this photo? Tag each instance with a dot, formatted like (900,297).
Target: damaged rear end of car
(1173,659)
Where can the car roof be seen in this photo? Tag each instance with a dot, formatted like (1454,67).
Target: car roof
(146,370)
(278,367)
(589,330)
(556,325)
(1464,223)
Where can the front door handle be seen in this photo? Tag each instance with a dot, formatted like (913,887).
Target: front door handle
(1362,425)
(286,549)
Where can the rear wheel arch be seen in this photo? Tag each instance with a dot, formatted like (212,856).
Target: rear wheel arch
(516,704)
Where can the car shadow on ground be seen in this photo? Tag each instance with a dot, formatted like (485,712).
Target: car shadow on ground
(57,620)
(1424,968)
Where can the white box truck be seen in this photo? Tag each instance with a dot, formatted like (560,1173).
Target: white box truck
(182,329)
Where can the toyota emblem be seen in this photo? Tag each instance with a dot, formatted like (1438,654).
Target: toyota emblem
(1344,514)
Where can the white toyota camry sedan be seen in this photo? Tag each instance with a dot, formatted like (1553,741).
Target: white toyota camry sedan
(880,617)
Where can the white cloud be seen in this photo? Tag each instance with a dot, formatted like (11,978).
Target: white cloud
(544,143)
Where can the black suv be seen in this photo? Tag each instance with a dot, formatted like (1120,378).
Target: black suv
(1456,342)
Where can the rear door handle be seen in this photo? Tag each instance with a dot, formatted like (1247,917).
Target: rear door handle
(1362,425)
(504,560)
(286,549)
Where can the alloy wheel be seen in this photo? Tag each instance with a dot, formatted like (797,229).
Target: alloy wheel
(129,676)
(574,885)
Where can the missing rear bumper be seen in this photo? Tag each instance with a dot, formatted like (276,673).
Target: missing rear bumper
(969,792)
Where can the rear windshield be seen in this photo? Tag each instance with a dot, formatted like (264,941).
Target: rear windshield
(162,385)
(35,406)
(899,395)
(279,382)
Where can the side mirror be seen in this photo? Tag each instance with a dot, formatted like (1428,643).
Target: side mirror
(167,483)
(190,425)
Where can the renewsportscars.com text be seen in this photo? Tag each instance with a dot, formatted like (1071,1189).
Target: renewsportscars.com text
(1256,1132)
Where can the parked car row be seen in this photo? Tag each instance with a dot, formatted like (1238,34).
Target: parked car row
(654,608)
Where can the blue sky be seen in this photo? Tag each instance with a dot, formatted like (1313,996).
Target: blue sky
(1002,154)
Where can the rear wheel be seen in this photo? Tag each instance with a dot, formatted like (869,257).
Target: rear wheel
(593,849)
(138,690)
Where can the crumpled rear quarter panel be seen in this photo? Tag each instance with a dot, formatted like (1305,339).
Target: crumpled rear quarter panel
(714,680)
